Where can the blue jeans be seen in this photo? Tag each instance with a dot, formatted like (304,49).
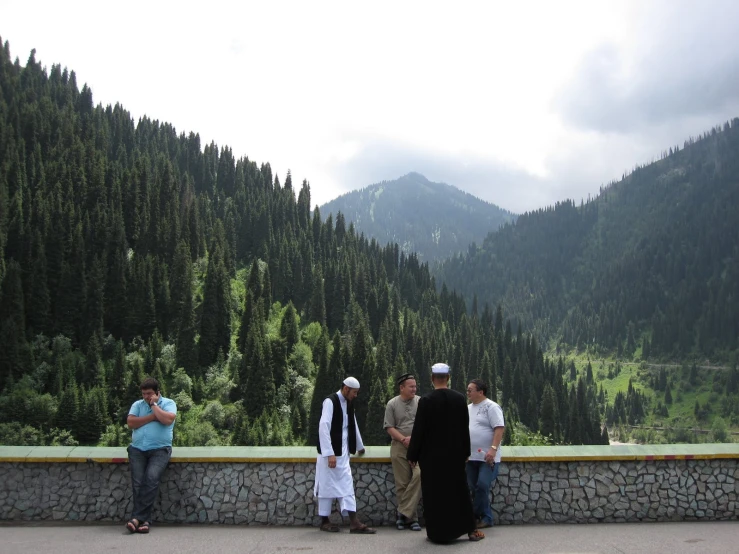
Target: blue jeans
(147,467)
(480,477)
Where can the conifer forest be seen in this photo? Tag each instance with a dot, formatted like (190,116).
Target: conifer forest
(131,250)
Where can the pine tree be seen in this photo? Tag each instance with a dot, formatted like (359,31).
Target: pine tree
(91,420)
(374,433)
(277,352)
(486,374)
(39,303)
(548,413)
(68,410)
(693,378)
(335,309)
(361,370)
(14,352)
(118,384)
(247,317)
(116,301)
(181,285)
(299,417)
(289,328)
(145,310)
(162,299)
(318,299)
(328,380)
(259,393)
(510,425)
(215,324)
(16,220)
(574,433)
(186,349)
(93,371)
(254,281)
(72,293)
(241,431)
(95,309)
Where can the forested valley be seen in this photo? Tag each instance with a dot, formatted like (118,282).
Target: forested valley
(638,288)
(650,264)
(130,250)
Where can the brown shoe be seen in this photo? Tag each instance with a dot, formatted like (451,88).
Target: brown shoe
(329,527)
(476,535)
(362,530)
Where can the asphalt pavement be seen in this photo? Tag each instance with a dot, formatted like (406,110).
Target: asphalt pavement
(652,538)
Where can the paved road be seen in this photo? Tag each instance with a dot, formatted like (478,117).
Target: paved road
(652,538)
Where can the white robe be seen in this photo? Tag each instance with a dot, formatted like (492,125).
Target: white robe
(335,482)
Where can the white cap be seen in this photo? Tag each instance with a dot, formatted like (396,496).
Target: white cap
(351,382)
(440,369)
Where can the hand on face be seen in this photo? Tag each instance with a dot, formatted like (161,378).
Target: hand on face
(150,396)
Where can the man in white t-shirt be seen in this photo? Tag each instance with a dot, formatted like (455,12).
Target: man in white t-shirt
(486,433)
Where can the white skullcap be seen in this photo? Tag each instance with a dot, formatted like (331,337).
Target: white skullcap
(351,382)
(440,369)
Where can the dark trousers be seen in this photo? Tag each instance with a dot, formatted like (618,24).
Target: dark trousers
(480,477)
(147,467)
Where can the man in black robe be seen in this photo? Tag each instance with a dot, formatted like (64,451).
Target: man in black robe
(440,443)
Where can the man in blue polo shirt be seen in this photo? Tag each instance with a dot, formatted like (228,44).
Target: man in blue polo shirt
(152,421)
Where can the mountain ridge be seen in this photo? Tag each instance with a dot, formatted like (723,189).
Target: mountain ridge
(434,220)
(646,260)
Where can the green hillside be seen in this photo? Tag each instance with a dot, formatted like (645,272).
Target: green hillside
(646,275)
(128,249)
(684,402)
(651,262)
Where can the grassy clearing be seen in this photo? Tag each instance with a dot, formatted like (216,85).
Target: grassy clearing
(681,413)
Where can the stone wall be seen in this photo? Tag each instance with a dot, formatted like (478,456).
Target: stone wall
(236,493)
(582,492)
(209,489)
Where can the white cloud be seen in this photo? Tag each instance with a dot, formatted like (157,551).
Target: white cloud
(520,103)
(681,62)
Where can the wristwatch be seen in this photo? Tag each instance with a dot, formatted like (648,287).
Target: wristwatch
(494,447)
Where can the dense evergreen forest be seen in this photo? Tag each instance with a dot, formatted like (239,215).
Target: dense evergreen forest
(130,250)
(433,220)
(649,265)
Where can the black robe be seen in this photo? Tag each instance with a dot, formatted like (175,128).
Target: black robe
(440,443)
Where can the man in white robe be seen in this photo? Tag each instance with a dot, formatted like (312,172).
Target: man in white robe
(336,441)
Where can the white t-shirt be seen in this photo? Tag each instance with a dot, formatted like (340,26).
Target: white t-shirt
(484,418)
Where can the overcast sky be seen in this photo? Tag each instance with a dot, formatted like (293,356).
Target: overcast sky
(519,103)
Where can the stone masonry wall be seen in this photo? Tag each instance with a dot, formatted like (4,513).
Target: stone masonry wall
(590,492)
(282,494)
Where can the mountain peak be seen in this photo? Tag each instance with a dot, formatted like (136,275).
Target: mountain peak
(434,220)
(415,176)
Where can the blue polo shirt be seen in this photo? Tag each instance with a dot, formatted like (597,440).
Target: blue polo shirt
(153,434)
